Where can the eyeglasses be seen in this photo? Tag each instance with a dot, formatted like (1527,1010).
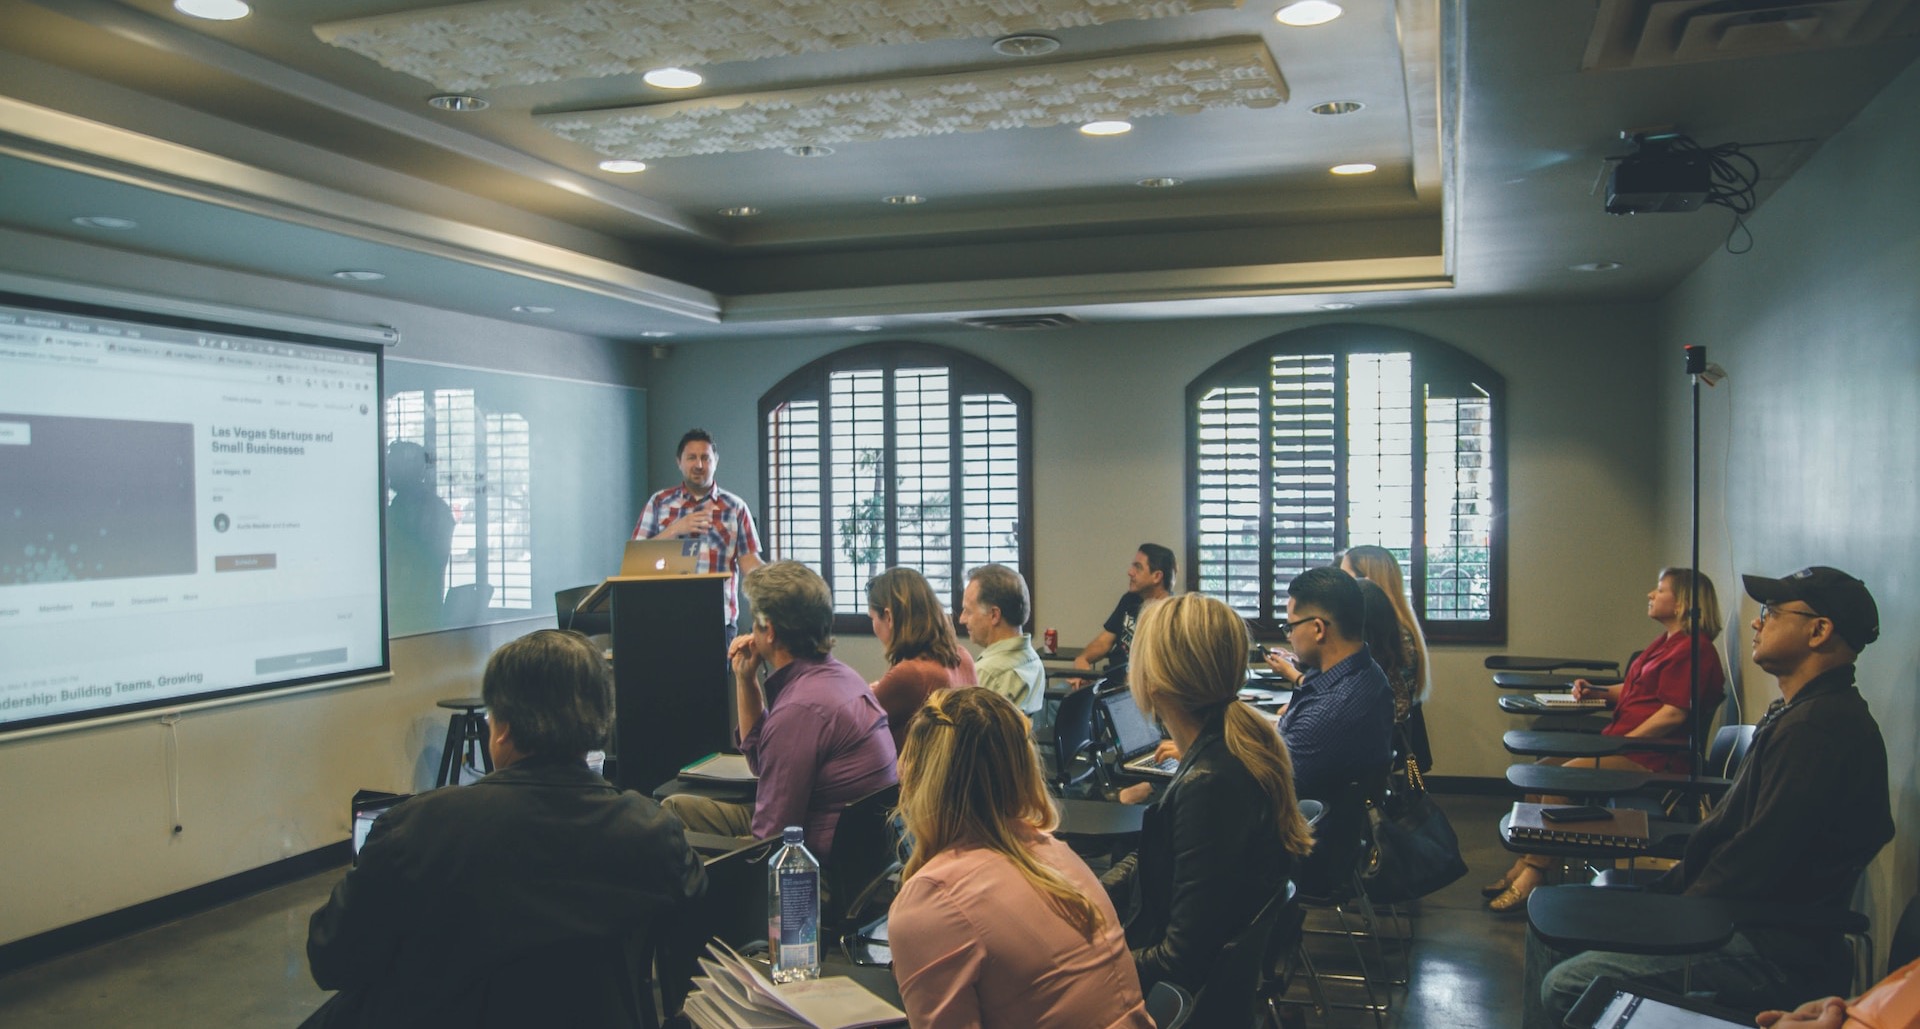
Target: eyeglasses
(1286,628)
(1769,611)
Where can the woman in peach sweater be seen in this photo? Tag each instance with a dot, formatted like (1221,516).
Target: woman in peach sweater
(998,924)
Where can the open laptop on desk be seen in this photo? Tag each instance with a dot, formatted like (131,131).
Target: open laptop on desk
(657,557)
(1135,736)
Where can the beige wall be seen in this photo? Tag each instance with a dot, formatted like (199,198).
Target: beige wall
(1108,470)
(1811,447)
(88,815)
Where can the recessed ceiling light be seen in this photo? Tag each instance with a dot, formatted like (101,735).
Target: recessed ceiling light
(1026,44)
(672,78)
(213,10)
(1357,168)
(359,275)
(623,167)
(904,199)
(1337,305)
(1337,107)
(656,334)
(1597,266)
(102,221)
(1106,128)
(1160,182)
(743,211)
(866,328)
(810,150)
(532,309)
(1308,12)
(460,102)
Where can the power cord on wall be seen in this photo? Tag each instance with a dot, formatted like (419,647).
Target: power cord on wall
(170,722)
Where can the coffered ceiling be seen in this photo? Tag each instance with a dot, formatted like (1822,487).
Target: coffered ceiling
(904,162)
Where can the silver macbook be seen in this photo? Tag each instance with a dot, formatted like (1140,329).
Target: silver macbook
(657,557)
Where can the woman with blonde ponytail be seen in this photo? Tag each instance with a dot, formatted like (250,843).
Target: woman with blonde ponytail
(1227,828)
(997,922)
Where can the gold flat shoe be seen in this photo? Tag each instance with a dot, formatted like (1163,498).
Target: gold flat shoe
(1496,887)
(1513,898)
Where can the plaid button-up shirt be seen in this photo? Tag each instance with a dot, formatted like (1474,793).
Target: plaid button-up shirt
(719,548)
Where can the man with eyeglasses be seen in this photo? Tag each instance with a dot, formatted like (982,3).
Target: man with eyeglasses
(1339,725)
(1807,811)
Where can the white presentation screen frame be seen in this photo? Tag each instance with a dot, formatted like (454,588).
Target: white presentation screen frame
(191,507)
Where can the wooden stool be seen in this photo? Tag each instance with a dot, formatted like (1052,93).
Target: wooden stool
(466,737)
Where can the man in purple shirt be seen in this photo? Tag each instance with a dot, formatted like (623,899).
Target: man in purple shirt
(812,732)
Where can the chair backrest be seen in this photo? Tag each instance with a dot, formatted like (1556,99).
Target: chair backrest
(1169,1005)
(1073,736)
(735,907)
(602,982)
(590,623)
(864,848)
(1905,946)
(1237,974)
(1341,840)
(1742,743)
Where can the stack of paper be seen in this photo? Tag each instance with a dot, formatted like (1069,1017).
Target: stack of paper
(720,768)
(734,994)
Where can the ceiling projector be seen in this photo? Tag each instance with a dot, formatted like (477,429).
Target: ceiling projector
(1661,176)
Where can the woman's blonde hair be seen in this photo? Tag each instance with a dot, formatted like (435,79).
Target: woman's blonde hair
(969,777)
(1378,566)
(921,627)
(1190,653)
(1690,588)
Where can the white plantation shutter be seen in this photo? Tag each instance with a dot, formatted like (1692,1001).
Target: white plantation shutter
(1313,442)
(896,455)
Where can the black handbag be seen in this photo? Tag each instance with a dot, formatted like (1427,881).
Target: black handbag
(1414,849)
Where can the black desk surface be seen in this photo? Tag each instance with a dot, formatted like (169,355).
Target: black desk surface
(1579,744)
(1576,918)
(1574,780)
(1097,817)
(1517,663)
(1548,681)
(705,788)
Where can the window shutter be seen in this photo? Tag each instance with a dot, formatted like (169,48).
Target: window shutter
(923,455)
(1460,506)
(1228,496)
(990,480)
(509,518)
(856,417)
(1303,413)
(793,482)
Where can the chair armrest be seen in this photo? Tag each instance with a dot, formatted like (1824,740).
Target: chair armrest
(1814,918)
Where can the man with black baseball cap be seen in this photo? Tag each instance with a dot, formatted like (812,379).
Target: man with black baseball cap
(1807,811)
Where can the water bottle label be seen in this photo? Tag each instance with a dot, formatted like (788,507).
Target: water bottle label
(799,900)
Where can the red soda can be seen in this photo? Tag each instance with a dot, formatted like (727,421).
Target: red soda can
(1053,641)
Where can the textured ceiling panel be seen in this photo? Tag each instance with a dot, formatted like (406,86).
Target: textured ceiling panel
(1182,81)
(521,42)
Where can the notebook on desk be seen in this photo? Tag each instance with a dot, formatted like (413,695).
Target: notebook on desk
(1135,737)
(1565,702)
(1623,827)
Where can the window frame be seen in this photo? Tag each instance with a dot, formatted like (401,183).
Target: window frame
(1432,360)
(969,375)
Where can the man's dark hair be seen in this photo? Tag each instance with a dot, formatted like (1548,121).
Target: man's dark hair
(1002,587)
(1159,559)
(693,436)
(553,690)
(1334,594)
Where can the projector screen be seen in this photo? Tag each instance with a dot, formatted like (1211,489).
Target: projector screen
(188,510)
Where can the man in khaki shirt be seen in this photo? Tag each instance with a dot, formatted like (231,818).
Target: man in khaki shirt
(994,611)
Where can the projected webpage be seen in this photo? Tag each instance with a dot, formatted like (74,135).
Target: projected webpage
(181,512)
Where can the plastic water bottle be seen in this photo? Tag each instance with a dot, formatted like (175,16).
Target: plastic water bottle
(793,909)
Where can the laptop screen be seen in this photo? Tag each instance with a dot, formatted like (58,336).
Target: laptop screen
(1132,732)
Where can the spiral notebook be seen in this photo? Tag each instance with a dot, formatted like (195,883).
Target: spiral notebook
(1625,827)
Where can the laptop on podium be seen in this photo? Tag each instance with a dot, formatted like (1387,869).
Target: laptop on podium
(657,557)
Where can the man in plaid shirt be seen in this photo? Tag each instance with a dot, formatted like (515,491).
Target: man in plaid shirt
(716,523)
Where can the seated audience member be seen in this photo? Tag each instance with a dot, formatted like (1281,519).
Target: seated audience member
(923,654)
(1807,811)
(994,610)
(528,896)
(1410,686)
(998,924)
(1339,725)
(1893,1003)
(1225,833)
(1652,703)
(1380,631)
(813,733)
(1149,578)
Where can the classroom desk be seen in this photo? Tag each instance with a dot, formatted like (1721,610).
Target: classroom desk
(1575,781)
(1092,819)
(1544,682)
(1529,743)
(1576,918)
(1517,663)
(1669,841)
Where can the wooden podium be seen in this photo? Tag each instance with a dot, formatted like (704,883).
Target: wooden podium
(672,689)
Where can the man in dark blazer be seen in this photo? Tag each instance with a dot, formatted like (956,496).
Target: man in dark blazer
(536,896)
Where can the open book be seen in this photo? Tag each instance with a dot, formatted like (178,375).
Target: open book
(736,994)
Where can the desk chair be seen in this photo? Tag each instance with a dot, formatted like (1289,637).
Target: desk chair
(1169,1006)
(735,907)
(865,855)
(572,982)
(1334,880)
(1236,982)
(1076,756)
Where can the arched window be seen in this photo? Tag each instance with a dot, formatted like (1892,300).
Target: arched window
(1315,440)
(897,454)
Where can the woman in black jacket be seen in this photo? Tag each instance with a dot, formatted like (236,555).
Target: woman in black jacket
(1223,835)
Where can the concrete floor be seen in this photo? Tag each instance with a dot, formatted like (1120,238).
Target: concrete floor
(244,965)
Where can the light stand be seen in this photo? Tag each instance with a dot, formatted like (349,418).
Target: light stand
(1696,367)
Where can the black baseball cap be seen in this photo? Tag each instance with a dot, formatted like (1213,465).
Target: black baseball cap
(1831,593)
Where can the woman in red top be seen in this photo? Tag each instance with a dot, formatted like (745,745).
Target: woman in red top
(1651,703)
(923,653)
